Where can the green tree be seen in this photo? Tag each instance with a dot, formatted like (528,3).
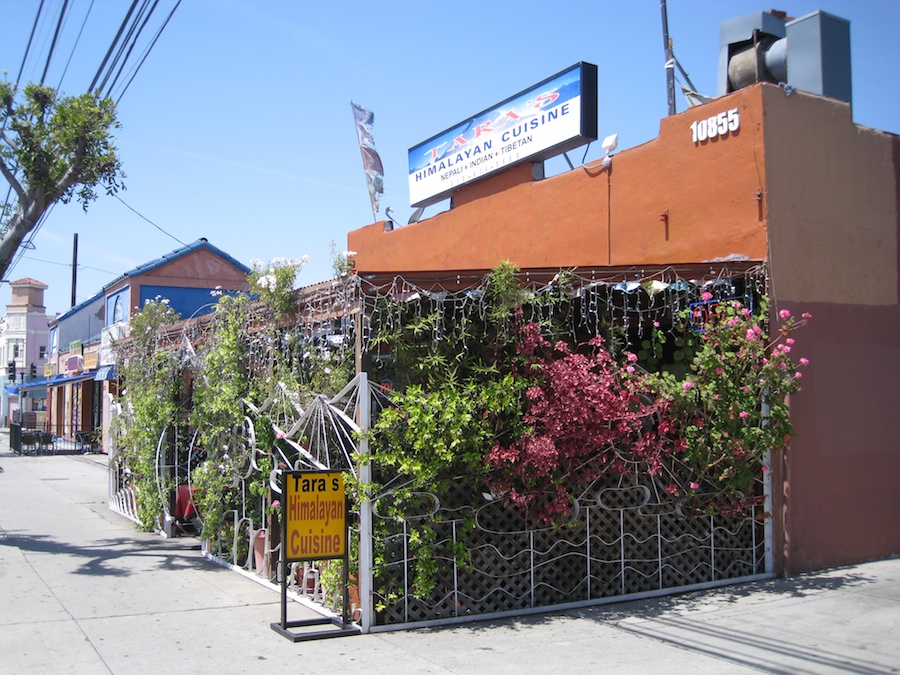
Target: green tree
(52,148)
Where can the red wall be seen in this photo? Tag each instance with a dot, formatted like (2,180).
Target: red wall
(594,216)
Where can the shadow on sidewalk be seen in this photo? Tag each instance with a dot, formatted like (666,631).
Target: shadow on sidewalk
(100,559)
(693,622)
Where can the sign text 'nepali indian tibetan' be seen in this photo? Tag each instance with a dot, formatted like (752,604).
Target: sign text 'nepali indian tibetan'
(556,115)
(315,515)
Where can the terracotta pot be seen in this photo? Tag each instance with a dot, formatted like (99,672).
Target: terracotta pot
(259,550)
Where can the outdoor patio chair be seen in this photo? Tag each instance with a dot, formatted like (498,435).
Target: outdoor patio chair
(29,442)
(45,441)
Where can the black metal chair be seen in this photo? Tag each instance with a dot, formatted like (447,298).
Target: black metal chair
(29,441)
(45,442)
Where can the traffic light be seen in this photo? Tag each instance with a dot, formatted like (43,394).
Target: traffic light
(11,370)
(33,370)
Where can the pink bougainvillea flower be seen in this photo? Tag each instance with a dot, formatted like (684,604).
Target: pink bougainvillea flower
(276,504)
(765,467)
(804,361)
(750,334)
(694,485)
(279,435)
(706,295)
(631,357)
(687,386)
(744,414)
(798,374)
(656,324)
(785,314)
(806,315)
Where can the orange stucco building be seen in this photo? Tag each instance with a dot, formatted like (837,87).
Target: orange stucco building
(798,186)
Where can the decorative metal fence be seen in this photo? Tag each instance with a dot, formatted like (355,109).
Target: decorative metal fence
(619,542)
(50,439)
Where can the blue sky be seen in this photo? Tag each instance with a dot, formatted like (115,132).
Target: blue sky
(238,126)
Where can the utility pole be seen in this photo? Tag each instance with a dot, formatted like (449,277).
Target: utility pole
(74,266)
(670,59)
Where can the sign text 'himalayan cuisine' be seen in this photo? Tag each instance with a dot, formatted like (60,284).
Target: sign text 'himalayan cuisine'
(556,115)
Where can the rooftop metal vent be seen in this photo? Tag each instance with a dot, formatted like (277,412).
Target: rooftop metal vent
(811,53)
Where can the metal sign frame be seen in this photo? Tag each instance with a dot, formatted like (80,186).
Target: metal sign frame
(314,500)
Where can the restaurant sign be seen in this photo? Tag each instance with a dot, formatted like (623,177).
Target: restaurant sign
(550,118)
(315,515)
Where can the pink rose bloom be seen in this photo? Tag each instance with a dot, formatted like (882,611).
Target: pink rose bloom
(804,361)
(687,386)
(744,414)
(785,314)
(694,485)
(706,295)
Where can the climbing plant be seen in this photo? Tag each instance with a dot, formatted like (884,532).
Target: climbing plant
(221,382)
(151,375)
(501,401)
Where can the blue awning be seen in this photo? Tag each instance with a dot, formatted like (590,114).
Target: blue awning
(55,381)
(106,373)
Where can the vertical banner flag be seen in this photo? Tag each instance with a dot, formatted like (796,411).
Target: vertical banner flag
(371,161)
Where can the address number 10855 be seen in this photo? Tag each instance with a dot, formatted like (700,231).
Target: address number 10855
(717,125)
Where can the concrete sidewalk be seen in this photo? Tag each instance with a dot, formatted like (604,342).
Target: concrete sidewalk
(82,591)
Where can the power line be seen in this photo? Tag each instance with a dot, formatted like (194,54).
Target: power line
(112,46)
(68,264)
(147,51)
(150,221)
(75,46)
(59,25)
(132,37)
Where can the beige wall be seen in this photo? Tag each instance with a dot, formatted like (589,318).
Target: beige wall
(831,202)
(833,232)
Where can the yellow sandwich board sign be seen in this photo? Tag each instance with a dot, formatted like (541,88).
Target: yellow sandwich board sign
(315,514)
(314,527)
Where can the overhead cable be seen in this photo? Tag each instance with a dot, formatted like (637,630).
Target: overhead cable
(147,51)
(59,25)
(75,46)
(112,46)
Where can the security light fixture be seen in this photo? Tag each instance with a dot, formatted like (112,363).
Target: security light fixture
(609,144)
